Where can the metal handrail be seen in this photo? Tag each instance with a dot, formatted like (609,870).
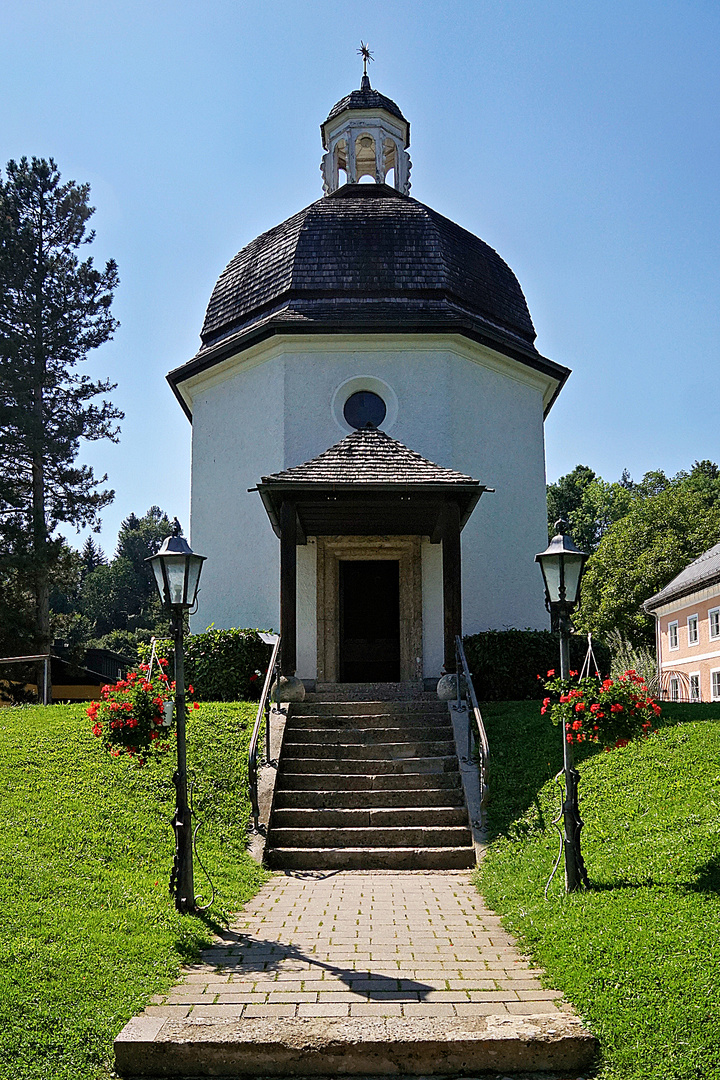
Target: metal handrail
(263,707)
(476,731)
(46,658)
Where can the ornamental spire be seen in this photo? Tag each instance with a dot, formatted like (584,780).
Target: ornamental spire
(364,51)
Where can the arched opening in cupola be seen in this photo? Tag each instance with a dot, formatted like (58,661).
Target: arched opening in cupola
(340,162)
(365,159)
(390,160)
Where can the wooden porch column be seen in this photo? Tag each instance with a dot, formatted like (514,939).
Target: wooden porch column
(452,589)
(288,587)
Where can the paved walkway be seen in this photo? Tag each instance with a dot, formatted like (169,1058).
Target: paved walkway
(362,944)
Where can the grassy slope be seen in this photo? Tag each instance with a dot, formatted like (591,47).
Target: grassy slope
(87,929)
(639,953)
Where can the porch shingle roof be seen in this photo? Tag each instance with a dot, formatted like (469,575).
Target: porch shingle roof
(369,456)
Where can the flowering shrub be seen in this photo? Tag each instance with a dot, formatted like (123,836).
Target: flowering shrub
(131,716)
(611,712)
(222,664)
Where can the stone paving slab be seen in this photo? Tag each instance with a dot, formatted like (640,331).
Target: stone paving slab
(360,963)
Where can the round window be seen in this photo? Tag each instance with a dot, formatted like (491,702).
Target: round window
(364,407)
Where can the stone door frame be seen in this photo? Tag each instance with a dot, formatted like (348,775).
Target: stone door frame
(330,551)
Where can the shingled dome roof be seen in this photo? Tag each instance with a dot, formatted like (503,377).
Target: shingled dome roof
(367,258)
(365,98)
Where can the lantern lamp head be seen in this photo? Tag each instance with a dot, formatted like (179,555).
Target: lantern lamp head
(562,565)
(177,570)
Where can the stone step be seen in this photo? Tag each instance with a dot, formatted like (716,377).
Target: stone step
(409,722)
(388,837)
(363,858)
(180,1047)
(375,691)
(368,783)
(338,747)
(398,781)
(369,708)
(369,800)
(319,817)
(370,766)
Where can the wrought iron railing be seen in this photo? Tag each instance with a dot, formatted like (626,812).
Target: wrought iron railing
(477,736)
(273,671)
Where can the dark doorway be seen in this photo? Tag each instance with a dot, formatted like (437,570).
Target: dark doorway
(369,620)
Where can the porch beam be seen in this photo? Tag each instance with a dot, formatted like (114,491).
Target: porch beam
(288,587)
(452,588)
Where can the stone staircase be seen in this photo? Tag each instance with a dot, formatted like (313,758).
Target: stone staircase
(369,784)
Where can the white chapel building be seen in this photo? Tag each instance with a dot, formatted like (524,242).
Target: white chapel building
(367,407)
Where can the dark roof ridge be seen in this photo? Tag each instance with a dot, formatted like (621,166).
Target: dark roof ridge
(358,190)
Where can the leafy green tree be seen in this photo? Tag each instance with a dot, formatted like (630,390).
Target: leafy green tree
(588,504)
(706,468)
(565,496)
(639,554)
(54,309)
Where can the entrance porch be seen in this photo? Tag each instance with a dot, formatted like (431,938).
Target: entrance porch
(368,505)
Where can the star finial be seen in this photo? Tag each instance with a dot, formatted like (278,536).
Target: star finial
(364,51)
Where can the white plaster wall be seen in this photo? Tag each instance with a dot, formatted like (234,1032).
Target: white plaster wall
(417,375)
(498,438)
(307,609)
(433,615)
(458,404)
(237,437)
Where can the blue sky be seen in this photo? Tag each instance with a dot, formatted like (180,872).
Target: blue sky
(579,139)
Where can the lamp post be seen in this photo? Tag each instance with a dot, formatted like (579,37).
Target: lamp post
(562,565)
(177,574)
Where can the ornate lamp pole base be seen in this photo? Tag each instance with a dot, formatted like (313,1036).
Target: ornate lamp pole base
(181,877)
(575,872)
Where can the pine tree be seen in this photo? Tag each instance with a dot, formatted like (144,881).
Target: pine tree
(92,556)
(121,596)
(54,309)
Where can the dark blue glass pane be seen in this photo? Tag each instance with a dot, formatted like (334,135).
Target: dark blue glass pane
(364,407)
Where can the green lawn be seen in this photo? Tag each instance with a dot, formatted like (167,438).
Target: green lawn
(87,930)
(639,953)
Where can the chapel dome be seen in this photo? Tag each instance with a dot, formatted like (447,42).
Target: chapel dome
(364,98)
(368,259)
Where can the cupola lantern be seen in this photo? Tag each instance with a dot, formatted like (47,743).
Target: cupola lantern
(365,134)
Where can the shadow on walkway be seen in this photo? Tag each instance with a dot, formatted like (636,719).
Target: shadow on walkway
(257,954)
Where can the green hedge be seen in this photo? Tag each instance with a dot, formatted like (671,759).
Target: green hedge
(505,664)
(219,664)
